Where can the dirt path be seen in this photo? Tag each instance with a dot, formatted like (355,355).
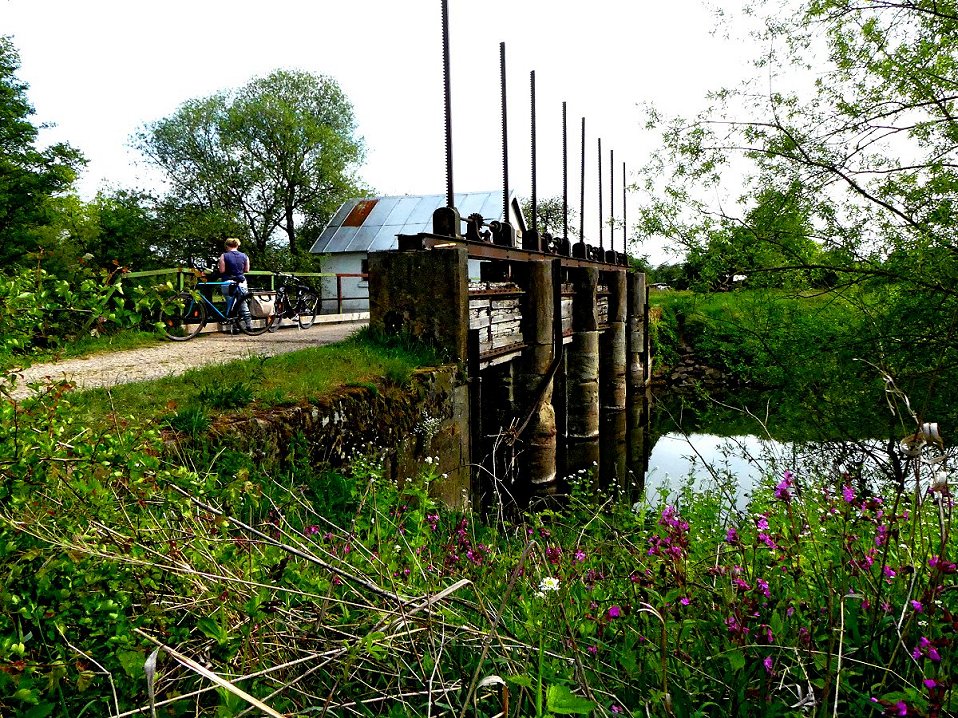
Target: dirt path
(176,357)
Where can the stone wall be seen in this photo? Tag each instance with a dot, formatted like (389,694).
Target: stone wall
(403,423)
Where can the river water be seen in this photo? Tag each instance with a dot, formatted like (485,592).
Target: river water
(731,444)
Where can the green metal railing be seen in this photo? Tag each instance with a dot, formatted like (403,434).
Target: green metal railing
(182,273)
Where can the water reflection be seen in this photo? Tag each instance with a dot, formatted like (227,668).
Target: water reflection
(730,464)
(658,447)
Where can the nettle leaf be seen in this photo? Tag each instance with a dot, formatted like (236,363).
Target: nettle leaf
(212,629)
(132,662)
(524,681)
(736,660)
(559,699)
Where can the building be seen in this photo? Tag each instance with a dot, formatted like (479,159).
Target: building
(371,224)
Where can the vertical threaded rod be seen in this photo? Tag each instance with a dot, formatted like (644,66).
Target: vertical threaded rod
(582,196)
(505,134)
(450,201)
(565,176)
(535,206)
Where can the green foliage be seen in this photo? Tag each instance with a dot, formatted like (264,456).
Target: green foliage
(826,589)
(192,420)
(816,348)
(232,396)
(849,181)
(40,311)
(276,155)
(31,177)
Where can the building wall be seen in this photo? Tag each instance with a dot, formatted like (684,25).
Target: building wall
(345,263)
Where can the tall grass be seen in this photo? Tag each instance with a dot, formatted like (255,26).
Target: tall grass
(832,593)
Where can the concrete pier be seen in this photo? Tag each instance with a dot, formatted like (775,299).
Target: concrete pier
(553,352)
(582,372)
(537,366)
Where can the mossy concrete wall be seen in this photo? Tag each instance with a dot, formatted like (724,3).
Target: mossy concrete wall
(404,424)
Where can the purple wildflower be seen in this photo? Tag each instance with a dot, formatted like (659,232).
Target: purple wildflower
(881,537)
(614,612)
(930,683)
(731,536)
(916,605)
(769,665)
(579,555)
(942,565)
(782,491)
(848,494)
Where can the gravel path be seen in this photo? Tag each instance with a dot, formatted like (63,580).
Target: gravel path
(176,357)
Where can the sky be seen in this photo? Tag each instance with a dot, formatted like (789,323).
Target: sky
(98,70)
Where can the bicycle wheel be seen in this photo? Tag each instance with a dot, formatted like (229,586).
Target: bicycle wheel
(242,309)
(181,317)
(279,310)
(306,310)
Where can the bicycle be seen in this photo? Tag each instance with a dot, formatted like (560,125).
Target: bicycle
(293,301)
(184,315)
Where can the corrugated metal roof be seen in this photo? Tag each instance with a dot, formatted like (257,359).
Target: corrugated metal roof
(370,224)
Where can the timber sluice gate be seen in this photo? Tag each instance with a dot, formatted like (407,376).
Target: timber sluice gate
(553,342)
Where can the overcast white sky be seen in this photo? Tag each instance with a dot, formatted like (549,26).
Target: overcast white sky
(99,69)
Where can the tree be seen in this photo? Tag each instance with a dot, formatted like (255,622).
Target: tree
(29,177)
(278,154)
(549,216)
(770,246)
(853,110)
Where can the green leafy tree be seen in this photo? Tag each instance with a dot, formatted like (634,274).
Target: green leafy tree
(770,247)
(29,176)
(277,155)
(853,111)
(549,216)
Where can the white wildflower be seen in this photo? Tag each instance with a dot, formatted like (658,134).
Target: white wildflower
(549,583)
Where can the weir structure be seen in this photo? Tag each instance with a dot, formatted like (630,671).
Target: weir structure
(553,351)
(551,337)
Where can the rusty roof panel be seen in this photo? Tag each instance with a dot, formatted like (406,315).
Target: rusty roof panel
(357,215)
(372,223)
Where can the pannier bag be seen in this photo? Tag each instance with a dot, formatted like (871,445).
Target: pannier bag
(261,304)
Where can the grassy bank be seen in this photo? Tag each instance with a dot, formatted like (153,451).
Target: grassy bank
(261,382)
(830,356)
(345,594)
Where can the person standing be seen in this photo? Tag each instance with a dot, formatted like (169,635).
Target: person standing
(234,265)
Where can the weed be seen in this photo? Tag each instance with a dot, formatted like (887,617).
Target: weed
(193,420)
(231,396)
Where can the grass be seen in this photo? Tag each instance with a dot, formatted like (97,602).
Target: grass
(286,379)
